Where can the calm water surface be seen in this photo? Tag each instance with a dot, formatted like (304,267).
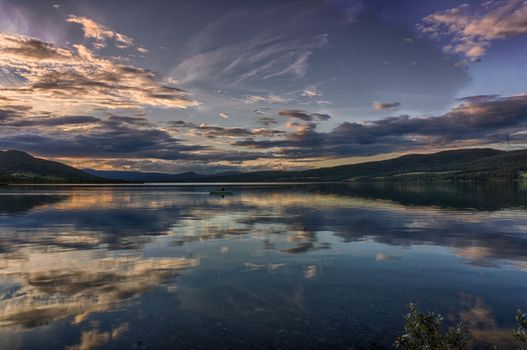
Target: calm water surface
(310,267)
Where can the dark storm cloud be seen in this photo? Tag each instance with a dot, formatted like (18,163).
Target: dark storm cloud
(119,137)
(136,120)
(217,131)
(182,124)
(53,121)
(477,120)
(111,137)
(303,115)
(478,98)
(484,120)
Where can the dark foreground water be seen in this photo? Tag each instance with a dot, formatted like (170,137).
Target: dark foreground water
(290,267)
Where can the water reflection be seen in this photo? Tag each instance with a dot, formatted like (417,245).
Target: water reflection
(94,338)
(12,204)
(482,325)
(70,255)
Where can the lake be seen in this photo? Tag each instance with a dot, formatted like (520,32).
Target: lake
(272,266)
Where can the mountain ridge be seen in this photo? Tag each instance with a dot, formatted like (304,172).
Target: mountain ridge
(20,167)
(126,175)
(477,164)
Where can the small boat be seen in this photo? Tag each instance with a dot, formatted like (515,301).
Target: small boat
(220,193)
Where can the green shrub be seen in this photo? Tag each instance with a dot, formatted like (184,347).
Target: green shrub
(520,333)
(422,331)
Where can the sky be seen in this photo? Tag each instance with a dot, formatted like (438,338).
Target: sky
(242,85)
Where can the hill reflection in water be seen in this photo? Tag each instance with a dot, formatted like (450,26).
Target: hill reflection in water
(323,265)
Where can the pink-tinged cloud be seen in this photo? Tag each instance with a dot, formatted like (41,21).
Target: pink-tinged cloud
(101,34)
(471,31)
(379,106)
(47,78)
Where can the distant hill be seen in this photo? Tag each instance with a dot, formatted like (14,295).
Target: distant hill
(457,165)
(143,176)
(465,164)
(155,177)
(20,167)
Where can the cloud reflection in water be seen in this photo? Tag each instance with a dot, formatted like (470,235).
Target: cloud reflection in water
(79,252)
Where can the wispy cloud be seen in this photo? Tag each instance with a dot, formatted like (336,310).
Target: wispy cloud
(268,99)
(258,58)
(349,8)
(471,31)
(312,92)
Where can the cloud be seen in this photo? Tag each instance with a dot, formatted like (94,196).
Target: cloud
(267,121)
(79,82)
(349,8)
(30,50)
(84,136)
(471,31)
(476,121)
(262,111)
(312,92)
(323,102)
(269,99)
(379,106)
(305,116)
(64,80)
(263,57)
(50,121)
(312,95)
(101,34)
(213,131)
